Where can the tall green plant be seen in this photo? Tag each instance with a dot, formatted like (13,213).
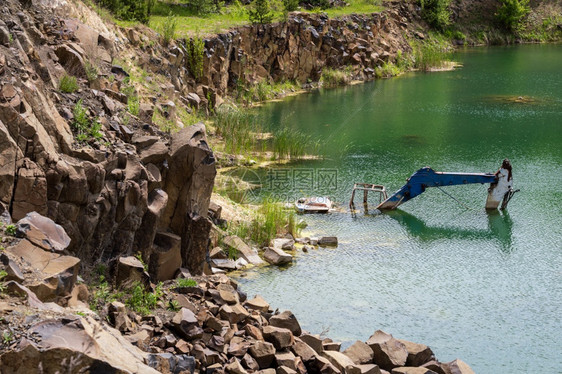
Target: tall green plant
(260,12)
(290,5)
(130,10)
(195,53)
(436,13)
(169,29)
(512,12)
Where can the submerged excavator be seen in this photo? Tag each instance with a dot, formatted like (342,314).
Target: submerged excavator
(500,191)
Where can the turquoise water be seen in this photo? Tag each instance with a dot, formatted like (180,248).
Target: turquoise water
(483,287)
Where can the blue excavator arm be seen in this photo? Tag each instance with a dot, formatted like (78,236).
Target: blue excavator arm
(427,177)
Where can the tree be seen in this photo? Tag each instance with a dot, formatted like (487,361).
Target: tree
(436,13)
(260,12)
(290,5)
(512,12)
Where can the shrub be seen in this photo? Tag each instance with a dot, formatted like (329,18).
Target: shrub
(512,12)
(195,53)
(322,4)
(68,84)
(290,5)
(130,10)
(91,71)
(436,13)
(85,128)
(204,7)
(186,282)
(169,29)
(142,301)
(11,230)
(260,12)
(333,77)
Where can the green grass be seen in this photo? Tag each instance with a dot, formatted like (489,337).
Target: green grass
(431,53)
(293,144)
(239,129)
(142,301)
(68,84)
(263,91)
(11,230)
(186,282)
(235,14)
(335,77)
(270,220)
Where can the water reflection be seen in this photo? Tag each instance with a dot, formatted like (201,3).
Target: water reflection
(499,229)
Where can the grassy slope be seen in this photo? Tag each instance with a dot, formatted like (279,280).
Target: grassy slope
(233,15)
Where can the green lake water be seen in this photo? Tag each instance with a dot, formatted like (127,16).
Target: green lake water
(483,287)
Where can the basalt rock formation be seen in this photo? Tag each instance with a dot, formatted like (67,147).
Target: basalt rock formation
(112,195)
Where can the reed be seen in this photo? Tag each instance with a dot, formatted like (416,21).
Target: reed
(238,128)
(293,144)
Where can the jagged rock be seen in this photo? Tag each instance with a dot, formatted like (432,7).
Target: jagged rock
(303,350)
(14,288)
(328,241)
(79,297)
(263,353)
(314,342)
(359,353)
(242,249)
(225,264)
(155,153)
(257,303)
(363,369)
(9,153)
(117,315)
(284,244)
(43,232)
(129,271)
(436,366)
(418,354)
(165,259)
(235,367)
(338,359)
(233,313)
(228,294)
(169,363)
(54,275)
(286,320)
(322,365)
(329,345)
(280,337)
(79,344)
(286,359)
(458,367)
(187,324)
(285,370)
(276,256)
(238,346)
(388,351)
(189,185)
(12,268)
(411,370)
(30,192)
(249,362)
(254,332)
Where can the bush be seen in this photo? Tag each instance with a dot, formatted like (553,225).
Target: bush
(322,4)
(260,13)
(169,29)
(436,13)
(195,53)
(85,128)
(186,282)
(512,12)
(290,5)
(142,301)
(334,77)
(204,7)
(130,10)
(68,84)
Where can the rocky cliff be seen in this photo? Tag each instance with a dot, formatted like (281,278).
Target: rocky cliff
(113,192)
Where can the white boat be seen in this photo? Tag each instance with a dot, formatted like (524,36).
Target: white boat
(317,204)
